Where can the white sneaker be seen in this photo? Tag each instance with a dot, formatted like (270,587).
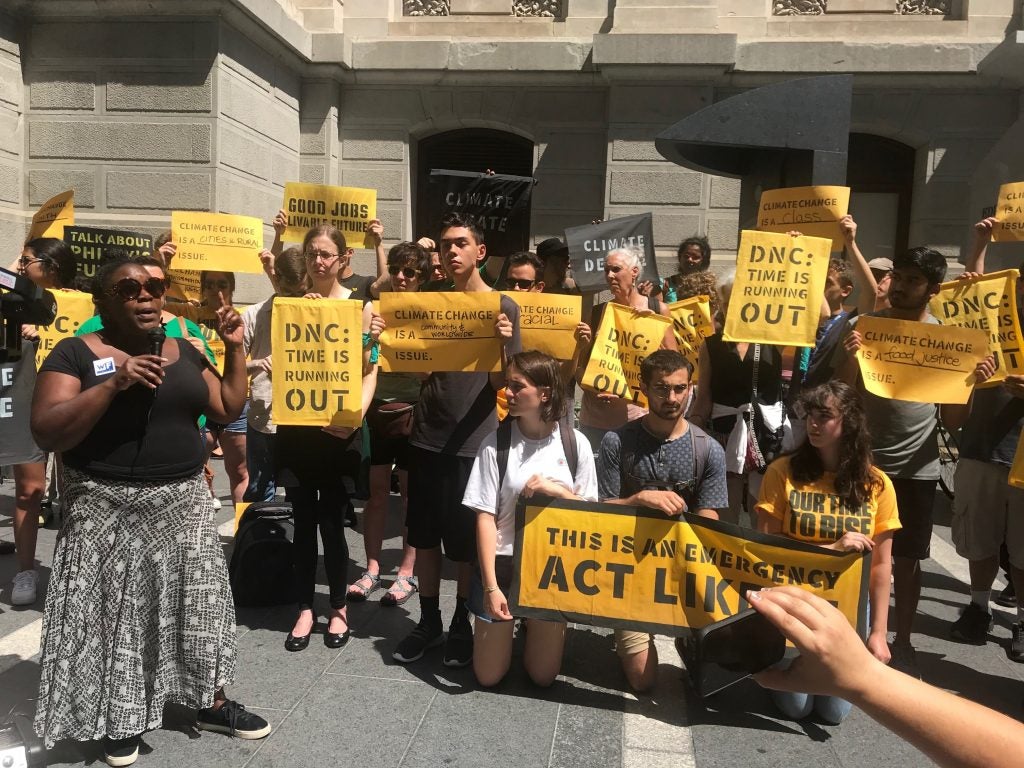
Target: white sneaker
(216,503)
(23,589)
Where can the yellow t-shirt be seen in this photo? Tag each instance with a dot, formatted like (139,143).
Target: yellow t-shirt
(812,512)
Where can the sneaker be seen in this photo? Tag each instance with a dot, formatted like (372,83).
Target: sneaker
(1008,597)
(1017,642)
(904,659)
(458,648)
(233,719)
(121,751)
(422,638)
(216,504)
(23,588)
(972,626)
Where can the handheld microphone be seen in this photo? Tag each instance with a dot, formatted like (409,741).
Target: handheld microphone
(156,338)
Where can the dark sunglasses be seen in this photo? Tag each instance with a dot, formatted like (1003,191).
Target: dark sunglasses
(129,288)
(522,285)
(407,272)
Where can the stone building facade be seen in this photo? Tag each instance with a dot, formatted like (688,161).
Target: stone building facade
(144,108)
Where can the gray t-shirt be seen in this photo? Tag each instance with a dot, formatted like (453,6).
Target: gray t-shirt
(456,410)
(256,321)
(660,464)
(17,380)
(993,428)
(903,434)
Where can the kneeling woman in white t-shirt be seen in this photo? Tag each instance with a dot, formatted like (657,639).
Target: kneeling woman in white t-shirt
(537,465)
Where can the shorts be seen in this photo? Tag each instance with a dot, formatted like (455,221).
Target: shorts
(629,642)
(503,565)
(915,500)
(436,516)
(390,425)
(238,426)
(987,511)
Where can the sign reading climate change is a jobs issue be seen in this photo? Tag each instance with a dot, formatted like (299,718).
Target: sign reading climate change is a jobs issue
(634,568)
(349,209)
(590,244)
(777,295)
(499,204)
(216,241)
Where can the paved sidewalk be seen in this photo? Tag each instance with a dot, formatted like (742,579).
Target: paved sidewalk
(357,707)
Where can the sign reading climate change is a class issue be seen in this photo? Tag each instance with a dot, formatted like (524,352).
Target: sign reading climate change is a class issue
(317,361)
(499,204)
(623,339)
(350,209)
(53,215)
(547,321)
(919,362)
(988,303)
(91,245)
(813,211)
(216,241)
(630,568)
(1010,212)
(73,309)
(440,331)
(590,244)
(777,295)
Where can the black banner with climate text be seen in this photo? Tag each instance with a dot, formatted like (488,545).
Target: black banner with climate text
(498,204)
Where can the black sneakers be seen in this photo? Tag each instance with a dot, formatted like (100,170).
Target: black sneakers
(119,752)
(233,719)
(423,637)
(1017,642)
(1008,597)
(458,648)
(972,626)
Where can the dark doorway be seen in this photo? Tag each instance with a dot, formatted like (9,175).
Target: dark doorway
(466,149)
(880,174)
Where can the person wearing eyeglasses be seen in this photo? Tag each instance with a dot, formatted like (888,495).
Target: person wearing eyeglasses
(660,461)
(600,412)
(390,423)
(524,273)
(139,610)
(50,264)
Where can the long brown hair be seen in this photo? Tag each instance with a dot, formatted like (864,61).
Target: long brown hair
(543,371)
(856,478)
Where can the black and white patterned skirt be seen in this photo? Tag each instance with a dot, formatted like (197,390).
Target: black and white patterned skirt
(139,611)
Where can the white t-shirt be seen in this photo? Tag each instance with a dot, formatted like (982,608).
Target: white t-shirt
(526,458)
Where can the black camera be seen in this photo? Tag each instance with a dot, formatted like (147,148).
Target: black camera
(22,303)
(19,745)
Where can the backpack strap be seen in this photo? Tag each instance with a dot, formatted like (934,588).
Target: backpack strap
(628,440)
(701,444)
(569,446)
(504,445)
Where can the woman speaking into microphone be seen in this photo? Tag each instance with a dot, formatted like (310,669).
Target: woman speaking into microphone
(139,612)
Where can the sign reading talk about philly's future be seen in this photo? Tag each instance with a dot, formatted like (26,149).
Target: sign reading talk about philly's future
(590,244)
(498,204)
(91,245)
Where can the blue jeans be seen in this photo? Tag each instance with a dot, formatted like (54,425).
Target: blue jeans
(259,458)
(797,706)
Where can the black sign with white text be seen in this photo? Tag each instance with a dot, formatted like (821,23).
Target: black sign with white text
(498,204)
(591,243)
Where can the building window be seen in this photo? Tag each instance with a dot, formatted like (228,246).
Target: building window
(532,8)
(899,7)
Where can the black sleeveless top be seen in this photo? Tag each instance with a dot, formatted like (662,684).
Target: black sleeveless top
(732,379)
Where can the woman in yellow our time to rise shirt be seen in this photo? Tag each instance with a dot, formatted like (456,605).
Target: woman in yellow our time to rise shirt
(828,493)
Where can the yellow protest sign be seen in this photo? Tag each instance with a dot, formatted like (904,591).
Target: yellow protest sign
(547,321)
(440,331)
(1010,212)
(216,241)
(812,211)
(240,508)
(919,362)
(779,288)
(53,215)
(622,341)
(73,309)
(631,568)
(1016,476)
(185,284)
(350,209)
(691,324)
(317,361)
(988,303)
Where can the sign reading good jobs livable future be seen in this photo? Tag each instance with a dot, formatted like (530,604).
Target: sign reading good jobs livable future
(777,295)
(349,209)
(216,241)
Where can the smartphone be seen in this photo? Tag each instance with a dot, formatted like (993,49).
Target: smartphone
(733,649)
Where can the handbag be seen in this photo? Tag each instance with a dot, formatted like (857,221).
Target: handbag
(769,431)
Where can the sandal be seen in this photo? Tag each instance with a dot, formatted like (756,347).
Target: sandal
(360,589)
(403,588)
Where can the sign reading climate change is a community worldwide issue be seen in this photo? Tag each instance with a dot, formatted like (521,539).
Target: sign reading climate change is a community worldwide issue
(634,568)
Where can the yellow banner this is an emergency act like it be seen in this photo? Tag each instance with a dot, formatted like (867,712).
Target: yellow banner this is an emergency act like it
(621,342)
(779,289)
(440,331)
(53,215)
(1010,212)
(691,323)
(317,361)
(615,566)
(919,362)
(813,211)
(350,209)
(547,321)
(216,241)
(988,303)
(73,309)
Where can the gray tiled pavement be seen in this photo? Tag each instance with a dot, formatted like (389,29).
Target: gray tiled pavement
(357,707)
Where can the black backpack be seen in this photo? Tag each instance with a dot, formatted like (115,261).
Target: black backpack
(263,559)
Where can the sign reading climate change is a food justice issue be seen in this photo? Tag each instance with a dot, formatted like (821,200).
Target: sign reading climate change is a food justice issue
(634,568)
(216,241)
(317,361)
(813,211)
(349,209)
(777,295)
